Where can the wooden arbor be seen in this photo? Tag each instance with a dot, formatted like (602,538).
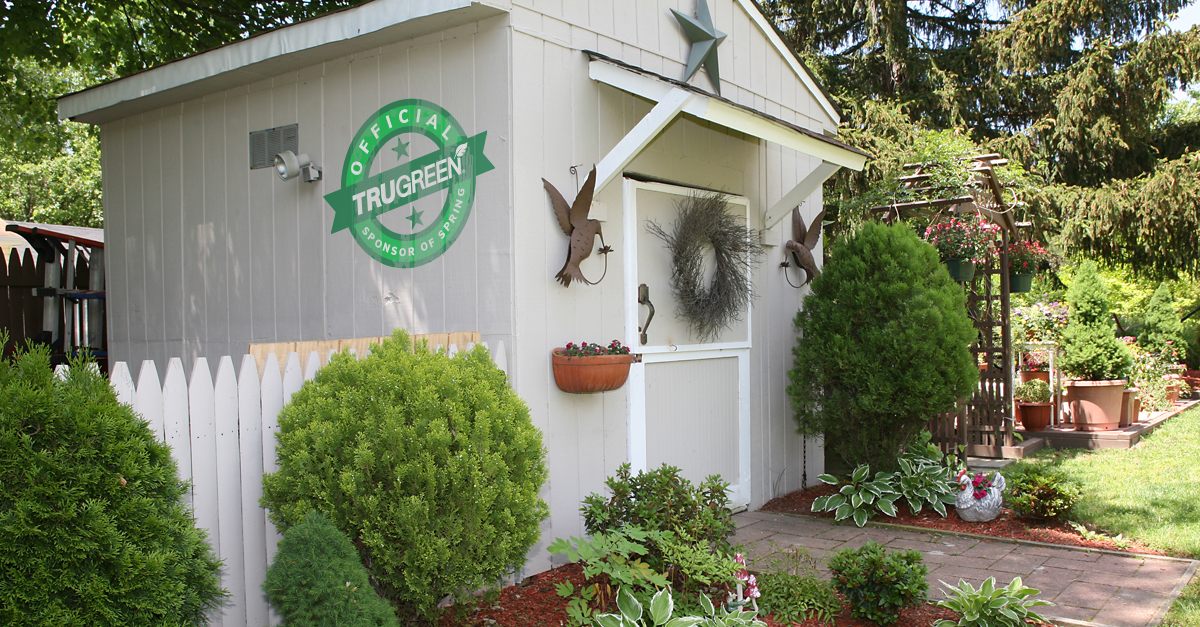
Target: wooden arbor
(983,425)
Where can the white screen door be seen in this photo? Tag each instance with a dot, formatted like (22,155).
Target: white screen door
(689,402)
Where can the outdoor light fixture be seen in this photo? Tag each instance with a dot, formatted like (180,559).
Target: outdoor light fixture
(289,166)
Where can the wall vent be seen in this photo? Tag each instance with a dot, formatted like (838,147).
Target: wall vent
(264,145)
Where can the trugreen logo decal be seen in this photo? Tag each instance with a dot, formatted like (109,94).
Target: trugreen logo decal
(453,166)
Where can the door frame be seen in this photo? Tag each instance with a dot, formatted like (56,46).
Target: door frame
(637,454)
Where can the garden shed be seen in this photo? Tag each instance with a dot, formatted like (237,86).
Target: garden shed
(415,137)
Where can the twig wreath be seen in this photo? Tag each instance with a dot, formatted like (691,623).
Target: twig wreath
(704,220)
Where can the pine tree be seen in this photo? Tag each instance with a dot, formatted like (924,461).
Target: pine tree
(1091,350)
(1162,328)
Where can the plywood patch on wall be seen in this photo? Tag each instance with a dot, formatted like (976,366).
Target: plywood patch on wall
(459,339)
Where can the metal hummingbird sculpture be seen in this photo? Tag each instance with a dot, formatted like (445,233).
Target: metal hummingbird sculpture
(801,245)
(575,223)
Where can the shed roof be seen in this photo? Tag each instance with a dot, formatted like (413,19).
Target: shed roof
(82,235)
(271,53)
(307,43)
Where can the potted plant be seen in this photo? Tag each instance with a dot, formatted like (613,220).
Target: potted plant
(962,243)
(1033,404)
(1130,407)
(1035,365)
(1092,355)
(1024,259)
(586,368)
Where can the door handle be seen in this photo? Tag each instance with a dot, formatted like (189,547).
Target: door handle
(644,299)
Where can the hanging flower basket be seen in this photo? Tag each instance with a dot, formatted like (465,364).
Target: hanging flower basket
(1024,260)
(971,238)
(589,368)
(961,269)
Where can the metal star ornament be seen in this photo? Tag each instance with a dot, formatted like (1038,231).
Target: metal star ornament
(705,39)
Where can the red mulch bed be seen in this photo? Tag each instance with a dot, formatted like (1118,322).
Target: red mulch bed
(534,603)
(1007,525)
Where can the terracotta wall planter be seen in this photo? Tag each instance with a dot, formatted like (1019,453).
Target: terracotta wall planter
(585,375)
(1095,405)
(1129,408)
(1026,377)
(1034,416)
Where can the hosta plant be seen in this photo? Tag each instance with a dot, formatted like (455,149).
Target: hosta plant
(859,498)
(661,608)
(990,606)
(924,482)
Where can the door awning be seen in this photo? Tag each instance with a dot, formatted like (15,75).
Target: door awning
(675,97)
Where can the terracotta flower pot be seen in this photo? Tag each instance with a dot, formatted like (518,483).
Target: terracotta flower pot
(1026,377)
(1095,405)
(1034,416)
(585,375)
(1173,393)
(1129,408)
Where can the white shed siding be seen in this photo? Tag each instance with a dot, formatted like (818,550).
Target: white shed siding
(645,34)
(209,256)
(563,118)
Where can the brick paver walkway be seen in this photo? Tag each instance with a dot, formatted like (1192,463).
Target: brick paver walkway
(1101,588)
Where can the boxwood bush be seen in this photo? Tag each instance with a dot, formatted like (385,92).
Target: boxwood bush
(92,520)
(317,580)
(883,346)
(429,463)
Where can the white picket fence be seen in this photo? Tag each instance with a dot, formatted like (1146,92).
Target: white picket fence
(222,435)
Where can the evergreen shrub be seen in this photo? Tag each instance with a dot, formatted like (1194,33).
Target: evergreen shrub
(1039,493)
(1162,329)
(878,583)
(429,463)
(92,519)
(883,346)
(1091,349)
(317,579)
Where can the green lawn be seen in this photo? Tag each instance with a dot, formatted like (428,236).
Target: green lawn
(1150,493)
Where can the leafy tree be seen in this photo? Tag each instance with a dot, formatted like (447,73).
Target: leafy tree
(1076,91)
(1162,327)
(883,346)
(50,171)
(94,524)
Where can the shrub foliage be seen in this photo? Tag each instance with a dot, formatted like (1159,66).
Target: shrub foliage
(877,583)
(94,528)
(883,346)
(429,463)
(317,579)
(1040,493)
